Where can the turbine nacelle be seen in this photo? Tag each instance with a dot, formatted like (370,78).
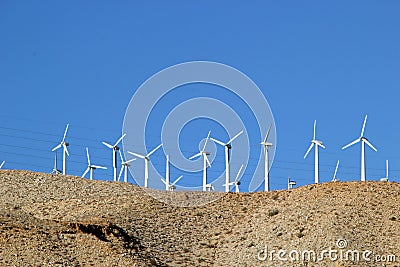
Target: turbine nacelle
(266,144)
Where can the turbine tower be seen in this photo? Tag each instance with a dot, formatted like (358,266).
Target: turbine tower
(236,182)
(91,167)
(228,147)
(146,163)
(204,154)
(114,148)
(266,146)
(316,143)
(363,141)
(64,145)
(124,167)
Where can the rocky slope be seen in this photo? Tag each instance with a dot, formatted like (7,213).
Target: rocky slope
(53,220)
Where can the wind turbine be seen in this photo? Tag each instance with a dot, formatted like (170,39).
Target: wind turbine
(334,175)
(236,182)
(291,183)
(2,164)
(91,167)
(114,148)
(228,147)
(55,169)
(386,179)
(266,146)
(363,141)
(64,145)
(146,163)
(124,168)
(315,143)
(168,185)
(204,154)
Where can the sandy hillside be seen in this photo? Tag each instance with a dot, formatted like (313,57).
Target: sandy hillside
(52,220)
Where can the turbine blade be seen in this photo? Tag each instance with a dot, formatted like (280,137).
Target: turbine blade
(363,128)
(238,174)
(268,132)
(120,139)
(370,145)
(352,143)
(120,155)
(321,145)
(195,156)
(129,161)
(57,147)
(107,145)
(309,149)
(120,173)
(218,142)
(66,149)
(177,180)
(137,155)
(236,136)
(87,170)
(205,143)
(315,129)
(87,154)
(2,164)
(65,133)
(336,169)
(99,167)
(154,150)
(208,162)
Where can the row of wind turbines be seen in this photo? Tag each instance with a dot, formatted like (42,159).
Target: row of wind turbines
(167,181)
(229,184)
(361,139)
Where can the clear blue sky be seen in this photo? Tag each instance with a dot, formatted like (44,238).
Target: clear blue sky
(81,62)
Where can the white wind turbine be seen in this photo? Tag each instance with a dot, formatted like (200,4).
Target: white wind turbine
(169,186)
(204,154)
(2,164)
(114,148)
(316,143)
(124,167)
(386,179)
(55,169)
(91,167)
(64,145)
(363,141)
(335,179)
(228,147)
(266,146)
(236,182)
(291,183)
(167,181)
(146,162)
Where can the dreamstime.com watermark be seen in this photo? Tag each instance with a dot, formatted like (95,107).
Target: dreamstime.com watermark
(339,253)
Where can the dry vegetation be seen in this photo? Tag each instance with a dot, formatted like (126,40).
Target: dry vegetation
(51,220)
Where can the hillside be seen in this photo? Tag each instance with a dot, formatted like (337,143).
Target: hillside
(51,220)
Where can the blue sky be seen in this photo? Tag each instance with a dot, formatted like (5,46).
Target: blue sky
(81,62)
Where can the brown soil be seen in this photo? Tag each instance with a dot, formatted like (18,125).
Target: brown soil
(54,220)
